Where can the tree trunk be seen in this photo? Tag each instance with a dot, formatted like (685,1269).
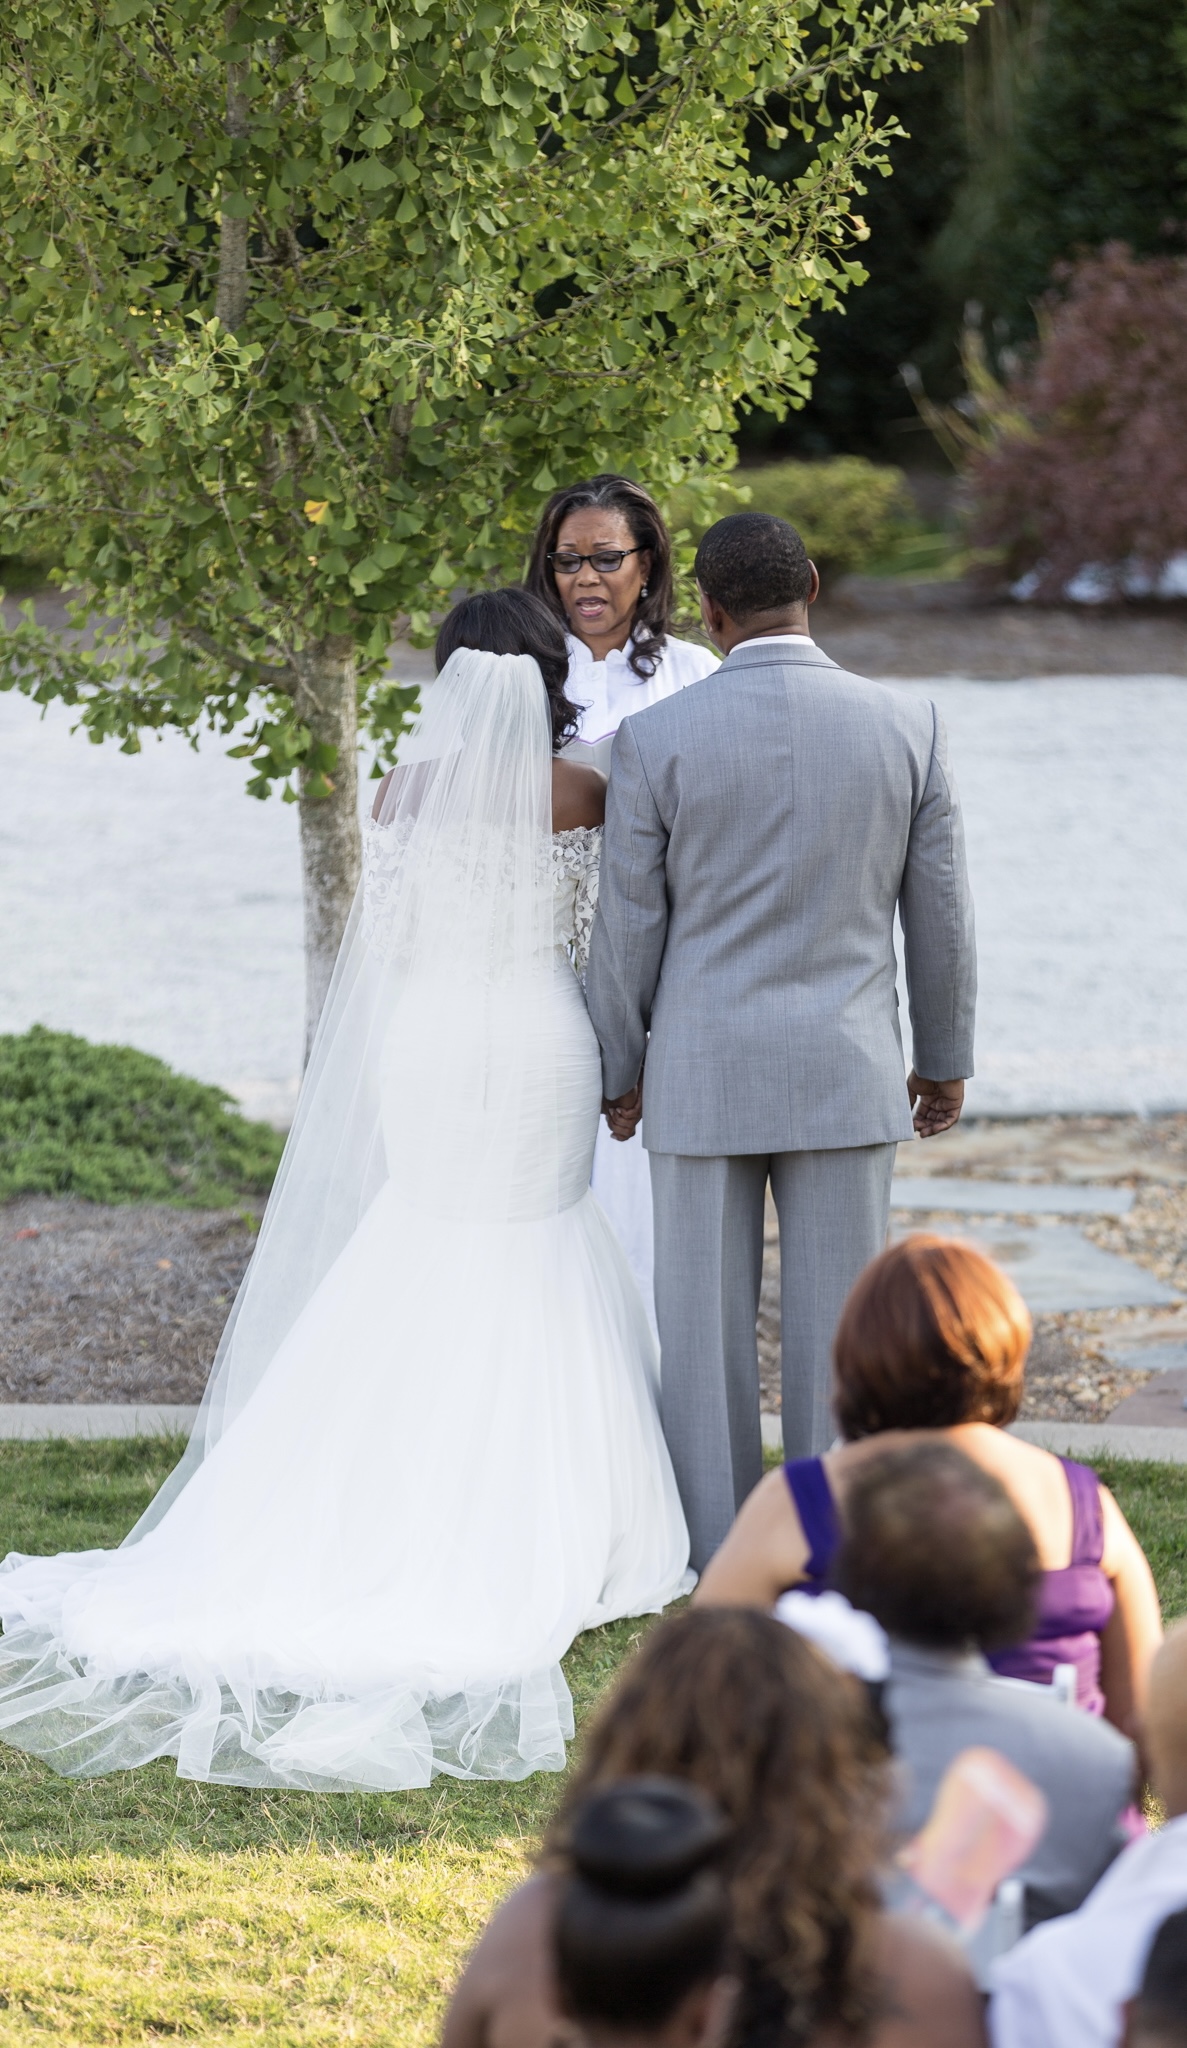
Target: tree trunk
(325,697)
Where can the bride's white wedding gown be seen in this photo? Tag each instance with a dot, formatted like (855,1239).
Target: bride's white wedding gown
(410,1490)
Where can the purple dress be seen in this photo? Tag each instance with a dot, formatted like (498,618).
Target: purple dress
(1074,1603)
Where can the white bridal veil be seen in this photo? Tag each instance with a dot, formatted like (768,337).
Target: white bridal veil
(429,1454)
(421,1072)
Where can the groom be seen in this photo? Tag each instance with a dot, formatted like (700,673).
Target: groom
(761,828)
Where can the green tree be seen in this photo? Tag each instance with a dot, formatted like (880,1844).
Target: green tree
(302,311)
(1088,150)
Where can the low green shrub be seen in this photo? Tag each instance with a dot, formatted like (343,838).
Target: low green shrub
(115,1125)
(850,512)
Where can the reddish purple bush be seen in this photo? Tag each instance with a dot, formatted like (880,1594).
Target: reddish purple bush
(1101,477)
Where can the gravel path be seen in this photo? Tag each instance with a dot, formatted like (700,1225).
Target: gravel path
(114,1304)
(1003,642)
(1071,1374)
(127,1304)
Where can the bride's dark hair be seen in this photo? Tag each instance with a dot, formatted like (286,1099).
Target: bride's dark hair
(653,614)
(512,621)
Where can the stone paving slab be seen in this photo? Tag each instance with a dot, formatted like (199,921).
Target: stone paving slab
(1158,1405)
(35,1421)
(1159,1358)
(1106,1440)
(1056,1268)
(1073,1439)
(1008,1198)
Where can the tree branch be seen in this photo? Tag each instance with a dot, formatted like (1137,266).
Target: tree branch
(261,672)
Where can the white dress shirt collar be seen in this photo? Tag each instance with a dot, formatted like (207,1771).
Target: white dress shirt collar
(774,640)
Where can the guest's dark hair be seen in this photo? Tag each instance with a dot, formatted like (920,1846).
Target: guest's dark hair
(752,563)
(1159,2015)
(512,621)
(736,1704)
(933,1334)
(642,1918)
(653,614)
(934,1548)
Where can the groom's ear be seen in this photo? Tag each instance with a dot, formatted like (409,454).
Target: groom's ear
(814,589)
(712,617)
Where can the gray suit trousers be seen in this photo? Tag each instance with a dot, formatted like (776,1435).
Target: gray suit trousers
(833,1212)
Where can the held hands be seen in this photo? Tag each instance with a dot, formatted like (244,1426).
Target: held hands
(939,1104)
(624,1113)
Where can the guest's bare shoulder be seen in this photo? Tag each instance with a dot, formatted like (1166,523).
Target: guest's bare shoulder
(578,796)
(504,1998)
(933,1995)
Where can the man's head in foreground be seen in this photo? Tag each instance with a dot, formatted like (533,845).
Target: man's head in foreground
(754,578)
(935,1550)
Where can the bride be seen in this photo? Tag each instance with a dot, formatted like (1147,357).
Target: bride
(429,1454)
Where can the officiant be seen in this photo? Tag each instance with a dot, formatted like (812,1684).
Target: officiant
(602,560)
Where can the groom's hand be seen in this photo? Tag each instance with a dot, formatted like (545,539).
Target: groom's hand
(937,1104)
(624,1112)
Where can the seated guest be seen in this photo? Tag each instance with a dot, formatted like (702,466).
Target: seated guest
(936,1551)
(1066,1985)
(1158,2015)
(641,1929)
(934,1337)
(783,1743)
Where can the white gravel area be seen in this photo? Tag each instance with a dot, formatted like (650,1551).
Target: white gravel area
(1075,797)
(144,898)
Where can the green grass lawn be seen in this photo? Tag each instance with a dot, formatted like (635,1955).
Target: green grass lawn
(136,1906)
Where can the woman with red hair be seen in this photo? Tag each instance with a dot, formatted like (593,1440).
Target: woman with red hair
(934,1338)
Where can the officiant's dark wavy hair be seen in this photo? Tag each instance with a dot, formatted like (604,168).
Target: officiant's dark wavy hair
(653,614)
(512,621)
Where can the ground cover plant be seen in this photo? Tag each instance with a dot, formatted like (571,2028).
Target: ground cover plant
(111,1124)
(137,1906)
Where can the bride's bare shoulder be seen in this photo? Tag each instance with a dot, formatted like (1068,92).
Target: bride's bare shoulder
(578,796)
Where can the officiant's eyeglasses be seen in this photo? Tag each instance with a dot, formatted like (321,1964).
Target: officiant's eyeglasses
(604,560)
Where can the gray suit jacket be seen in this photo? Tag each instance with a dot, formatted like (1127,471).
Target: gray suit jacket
(938,1703)
(761,827)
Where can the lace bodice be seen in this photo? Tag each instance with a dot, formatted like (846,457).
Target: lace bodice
(573,860)
(576,861)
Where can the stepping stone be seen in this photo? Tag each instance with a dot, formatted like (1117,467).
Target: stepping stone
(1156,1406)
(1007,1197)
(1091,1440)
(1170,1357)
(1056,1267)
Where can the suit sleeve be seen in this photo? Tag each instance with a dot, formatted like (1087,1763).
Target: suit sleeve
(632,918)
(936,913)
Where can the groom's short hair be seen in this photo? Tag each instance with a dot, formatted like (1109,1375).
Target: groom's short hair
(753,562)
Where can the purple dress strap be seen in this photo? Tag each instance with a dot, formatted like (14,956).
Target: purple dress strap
(1088,1523)
(808,1485)
(1074,1603)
